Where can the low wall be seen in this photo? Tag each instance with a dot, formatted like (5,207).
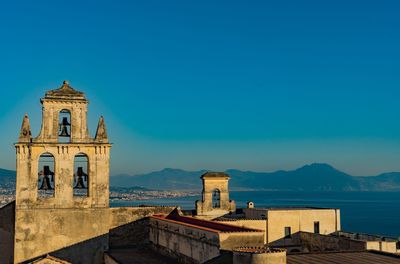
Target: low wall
(373,242)
(231,240)
(311,242)
(129,226)
(315,242)
(259,256)
(390,247)
(186,244)
(259,224)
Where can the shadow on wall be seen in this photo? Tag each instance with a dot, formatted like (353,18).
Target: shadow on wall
(7,233)
(129,235)
(85,252)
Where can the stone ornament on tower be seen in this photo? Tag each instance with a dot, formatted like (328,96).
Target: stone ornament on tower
(25,134)
(101,134)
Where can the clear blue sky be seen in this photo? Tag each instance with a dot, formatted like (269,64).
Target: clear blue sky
(257,85)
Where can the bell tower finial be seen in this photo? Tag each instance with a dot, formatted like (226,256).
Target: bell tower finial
(101,134)
(25,134)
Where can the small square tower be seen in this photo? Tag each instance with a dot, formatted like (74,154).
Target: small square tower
(215,195)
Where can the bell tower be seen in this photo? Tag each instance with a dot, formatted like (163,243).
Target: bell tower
(215,196)
(62,192)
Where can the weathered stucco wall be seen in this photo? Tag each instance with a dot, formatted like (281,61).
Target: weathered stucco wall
(300,220)
(382,246)
(251,257)
(231,240)
(43,231)
(7,229)
(311,242)
(297,219)
(184,242)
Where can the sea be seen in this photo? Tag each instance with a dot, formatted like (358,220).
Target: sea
(376,213)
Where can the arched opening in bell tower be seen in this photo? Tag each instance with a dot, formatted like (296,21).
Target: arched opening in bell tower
(81,175)
(64,131)
(216,198)
(46,177)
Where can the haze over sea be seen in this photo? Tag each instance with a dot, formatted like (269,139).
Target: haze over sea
(364,212)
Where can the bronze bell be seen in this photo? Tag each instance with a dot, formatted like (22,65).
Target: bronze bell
(63,127)
(80,183)
(46,180)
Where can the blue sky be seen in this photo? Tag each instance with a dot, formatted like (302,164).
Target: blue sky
(255,85)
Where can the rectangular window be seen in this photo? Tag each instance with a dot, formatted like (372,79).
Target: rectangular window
(316,227)
(288,232)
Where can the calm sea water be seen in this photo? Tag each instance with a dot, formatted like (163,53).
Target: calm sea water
(366,212)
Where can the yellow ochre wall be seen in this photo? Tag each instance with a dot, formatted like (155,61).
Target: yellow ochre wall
(301,220)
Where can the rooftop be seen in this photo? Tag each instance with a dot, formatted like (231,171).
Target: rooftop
(212,226)
(211,174)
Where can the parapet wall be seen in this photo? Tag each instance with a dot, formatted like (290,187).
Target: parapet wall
(254,255)
(311,242)
(231,240)
(183,242)
(259,224)
(129,226)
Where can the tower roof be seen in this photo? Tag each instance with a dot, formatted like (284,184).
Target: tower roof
(65,92)
(211,174)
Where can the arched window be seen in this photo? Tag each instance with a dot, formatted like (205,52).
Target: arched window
(81,175)
(64,131)
(46,177)
(216,199)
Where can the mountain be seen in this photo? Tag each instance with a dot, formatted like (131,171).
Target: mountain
(166,179)
(313,177)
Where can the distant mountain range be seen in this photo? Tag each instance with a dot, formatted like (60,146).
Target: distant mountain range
(314,177)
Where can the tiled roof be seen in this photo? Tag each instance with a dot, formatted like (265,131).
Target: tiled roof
(203,224)
(365,257)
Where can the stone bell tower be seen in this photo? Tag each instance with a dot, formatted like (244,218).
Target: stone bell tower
(62,192)
(215,196)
